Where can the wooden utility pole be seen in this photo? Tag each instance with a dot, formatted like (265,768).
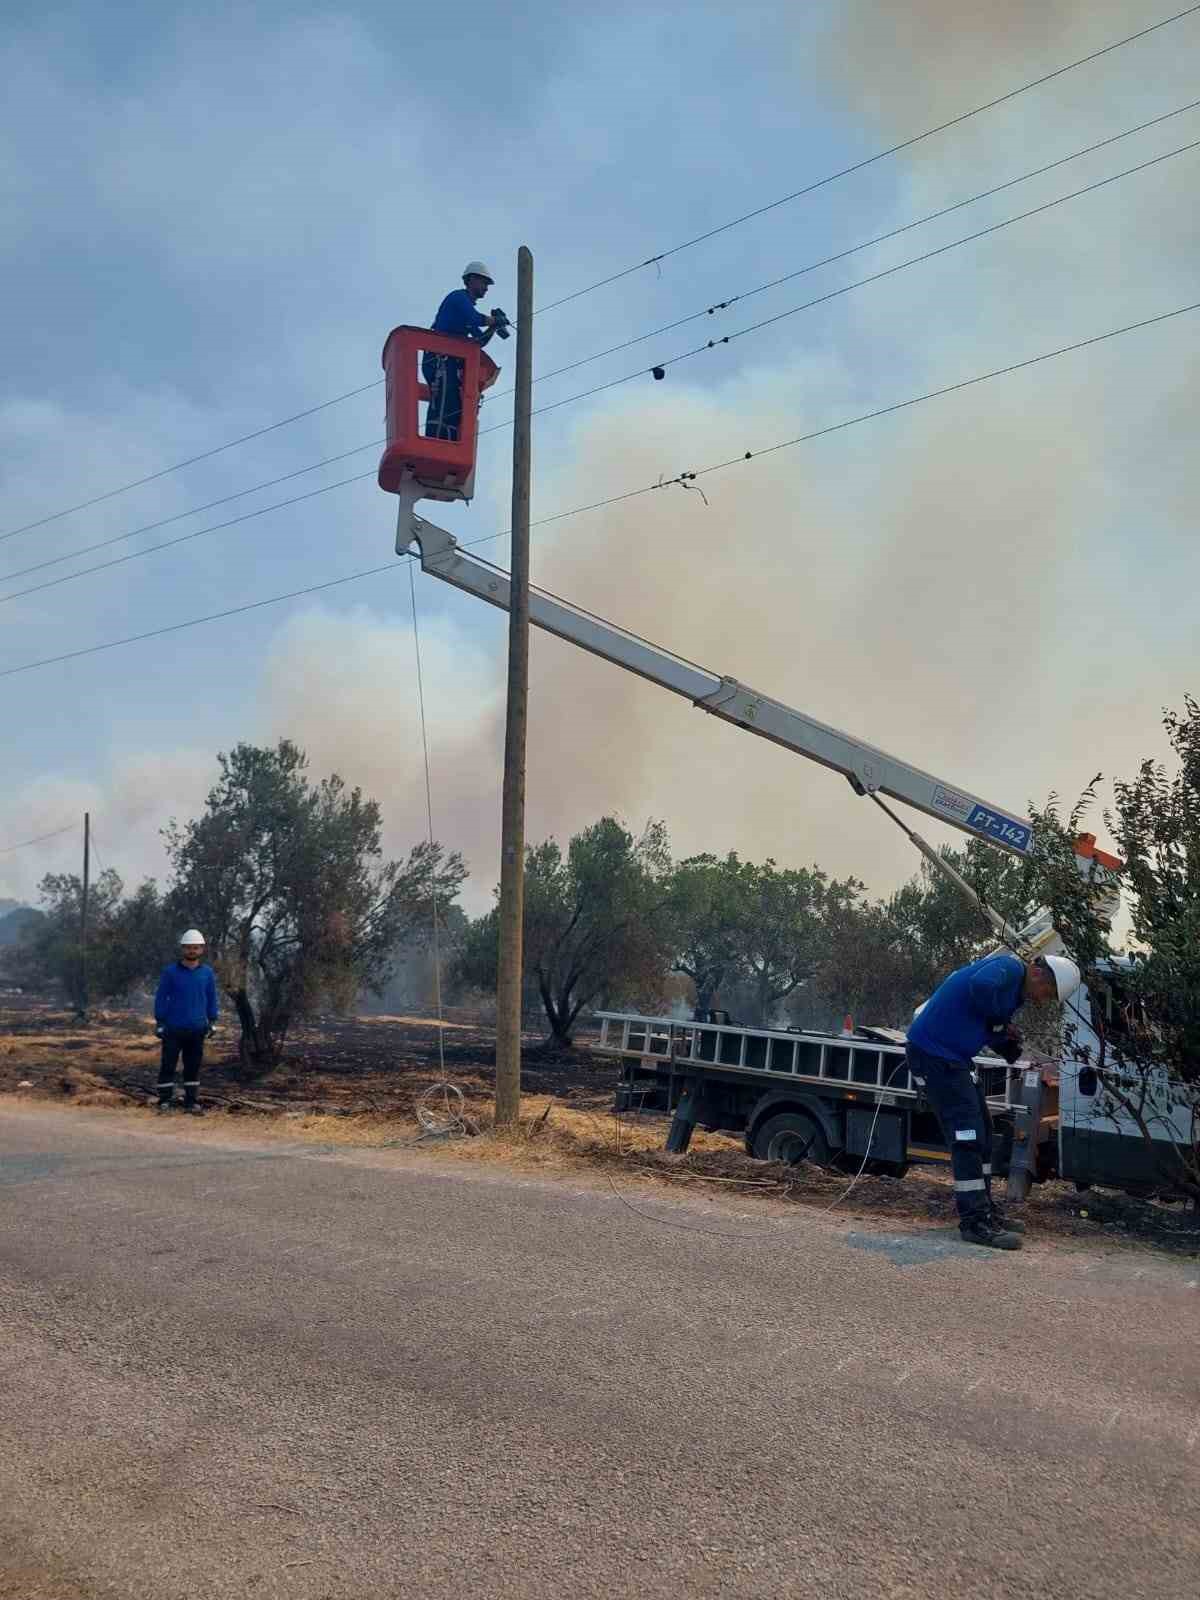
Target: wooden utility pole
(512,822)
(83,917)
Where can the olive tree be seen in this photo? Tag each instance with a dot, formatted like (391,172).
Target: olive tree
(286,878)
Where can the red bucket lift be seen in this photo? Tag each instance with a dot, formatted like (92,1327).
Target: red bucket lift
(412,465)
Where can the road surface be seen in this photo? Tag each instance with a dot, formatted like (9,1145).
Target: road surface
(245,1367)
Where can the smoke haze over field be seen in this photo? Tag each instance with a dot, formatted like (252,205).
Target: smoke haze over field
(984,584)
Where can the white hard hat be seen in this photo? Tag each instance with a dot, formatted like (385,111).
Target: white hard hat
(1067,976)
(192,936)
(476,269)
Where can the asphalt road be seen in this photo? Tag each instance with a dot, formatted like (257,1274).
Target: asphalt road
(256,1369)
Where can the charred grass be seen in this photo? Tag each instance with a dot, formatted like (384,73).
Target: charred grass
(356,1081)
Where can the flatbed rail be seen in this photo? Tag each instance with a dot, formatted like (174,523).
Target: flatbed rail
(855,1089)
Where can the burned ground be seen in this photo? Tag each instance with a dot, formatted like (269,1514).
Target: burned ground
(358,1079)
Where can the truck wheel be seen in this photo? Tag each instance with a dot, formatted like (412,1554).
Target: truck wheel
(792,1136)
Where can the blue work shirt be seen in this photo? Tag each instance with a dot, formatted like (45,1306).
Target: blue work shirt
(186,1002)
(957,1019)
(457,316)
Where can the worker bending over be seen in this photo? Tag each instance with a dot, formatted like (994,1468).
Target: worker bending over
(971,1010)
(458,317)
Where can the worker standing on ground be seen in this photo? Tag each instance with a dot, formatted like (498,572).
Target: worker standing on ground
(458,317)
(185,1012)
(971,1010)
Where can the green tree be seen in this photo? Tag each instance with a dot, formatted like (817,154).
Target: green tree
(127,937)
(885,957)
(595,923)
(286,879)
(1148,1068)
(785,917)
(872,971)
(707,916)
(946,930)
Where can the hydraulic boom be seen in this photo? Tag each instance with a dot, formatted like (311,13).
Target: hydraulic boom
(870,771)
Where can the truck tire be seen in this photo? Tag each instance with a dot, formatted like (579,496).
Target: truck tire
(791,1136)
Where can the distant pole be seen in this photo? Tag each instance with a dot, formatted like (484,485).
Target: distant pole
(512,819)
(83,917)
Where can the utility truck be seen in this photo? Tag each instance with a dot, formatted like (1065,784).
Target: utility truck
(800,1094)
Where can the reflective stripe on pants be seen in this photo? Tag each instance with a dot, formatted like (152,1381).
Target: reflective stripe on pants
(444,375)
(962,1111)
(189,1045)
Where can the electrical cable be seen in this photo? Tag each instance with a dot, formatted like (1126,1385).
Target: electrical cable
(681,478)
(189,461)
(627,271)
(192,511)
(865,244)
(25,843)
(711,344)
(432,872)
(183,538)
(583,361)
(95,845)
(868,161)
(848,288)
(195,622)
(773,1235)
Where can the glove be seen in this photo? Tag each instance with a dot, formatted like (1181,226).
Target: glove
(1008,1044)
(159,1030)
(210,1030)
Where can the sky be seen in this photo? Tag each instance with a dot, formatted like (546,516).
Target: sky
(209,222)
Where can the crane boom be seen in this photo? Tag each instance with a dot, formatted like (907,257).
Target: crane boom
(869,769)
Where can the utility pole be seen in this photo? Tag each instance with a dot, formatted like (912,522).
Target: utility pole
(512,820)
(83,917)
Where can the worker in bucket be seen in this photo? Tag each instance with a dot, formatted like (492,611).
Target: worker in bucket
(185,1013)
(458,317)
(972,1010)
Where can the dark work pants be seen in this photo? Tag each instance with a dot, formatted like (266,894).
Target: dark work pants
(189,1044)
(444,375)
(953,1090)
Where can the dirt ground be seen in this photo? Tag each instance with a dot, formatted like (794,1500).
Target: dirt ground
(359,1079)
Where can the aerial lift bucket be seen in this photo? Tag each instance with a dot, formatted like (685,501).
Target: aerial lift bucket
(414,466)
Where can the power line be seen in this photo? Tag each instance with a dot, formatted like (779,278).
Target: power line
(812,266)
(662,255)
(950,388)
(193,511)
(614,383)
(25,843)
(682,479)
(858,166)
(859,283)
(95,846)
(189,461)
(195,622)
(866,244)
(184,538)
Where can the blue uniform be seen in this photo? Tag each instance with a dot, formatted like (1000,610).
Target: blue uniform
(185,1007)
(186,1002)
(458,317)
(955,1024)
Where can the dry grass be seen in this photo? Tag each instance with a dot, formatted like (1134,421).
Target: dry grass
(355,1082)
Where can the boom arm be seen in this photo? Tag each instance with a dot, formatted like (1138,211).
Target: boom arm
(870,771)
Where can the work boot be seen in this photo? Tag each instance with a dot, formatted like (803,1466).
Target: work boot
(982,1230)
(164,1105)
(1006,1224)
(194,1110)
